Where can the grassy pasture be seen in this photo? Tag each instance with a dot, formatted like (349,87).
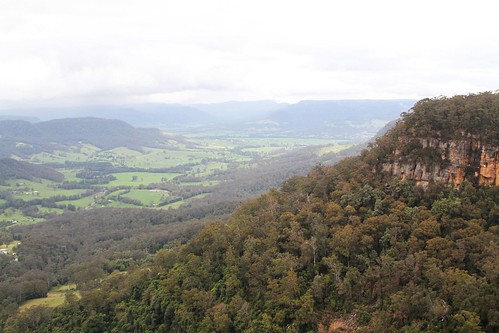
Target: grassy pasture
(10,247)
(80,203)
(78,153)
(70,174)
(334,149)
(154,157)
(55,297)
(148,197)
(29,190)
(10,214)
(135,179)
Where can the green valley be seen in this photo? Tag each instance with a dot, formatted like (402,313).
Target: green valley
(181,172)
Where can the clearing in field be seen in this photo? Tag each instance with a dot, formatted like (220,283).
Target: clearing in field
(10,247)
(135,179)
(55,297)
(148,197)
(28,189)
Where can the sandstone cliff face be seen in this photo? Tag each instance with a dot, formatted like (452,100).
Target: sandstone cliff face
(465,159)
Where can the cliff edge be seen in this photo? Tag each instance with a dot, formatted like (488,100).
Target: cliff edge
(447,140)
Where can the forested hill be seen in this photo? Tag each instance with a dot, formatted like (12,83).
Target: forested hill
(10,168)
(345,248)
(18,136)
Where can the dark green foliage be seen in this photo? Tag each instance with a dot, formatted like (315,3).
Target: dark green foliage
(342,242)
(83,248)
(290,258)
(471,117)
(10,168)
(456,118)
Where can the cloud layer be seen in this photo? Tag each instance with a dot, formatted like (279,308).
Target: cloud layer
(57,52)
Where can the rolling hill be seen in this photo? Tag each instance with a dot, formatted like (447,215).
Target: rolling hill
(23,138)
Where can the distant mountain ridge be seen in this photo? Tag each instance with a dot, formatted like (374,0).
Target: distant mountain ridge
(334,118)
(340,117)
(142,115)
(236,111)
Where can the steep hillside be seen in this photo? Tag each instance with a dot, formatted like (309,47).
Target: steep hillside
(346,248)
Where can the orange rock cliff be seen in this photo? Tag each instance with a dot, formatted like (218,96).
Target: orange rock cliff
(465,159)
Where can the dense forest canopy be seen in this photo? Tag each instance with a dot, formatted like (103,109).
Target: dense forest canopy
(345,247)
(455,118)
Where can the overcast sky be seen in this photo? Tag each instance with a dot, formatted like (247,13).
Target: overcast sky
(68,52)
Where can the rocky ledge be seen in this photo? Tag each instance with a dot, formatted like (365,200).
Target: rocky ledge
(462,160)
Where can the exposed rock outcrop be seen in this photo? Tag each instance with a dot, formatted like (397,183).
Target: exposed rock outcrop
(460,160)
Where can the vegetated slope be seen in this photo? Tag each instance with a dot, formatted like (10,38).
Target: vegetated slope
(103,133)
(348,247)
(21,137)
(82,248)
(10,168)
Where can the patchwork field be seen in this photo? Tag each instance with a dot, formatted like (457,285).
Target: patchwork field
(147,177)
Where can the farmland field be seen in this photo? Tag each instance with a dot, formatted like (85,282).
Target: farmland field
(55,297)
(148,197)
(140,178)
(80,203)
(28,190)
(162,178)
